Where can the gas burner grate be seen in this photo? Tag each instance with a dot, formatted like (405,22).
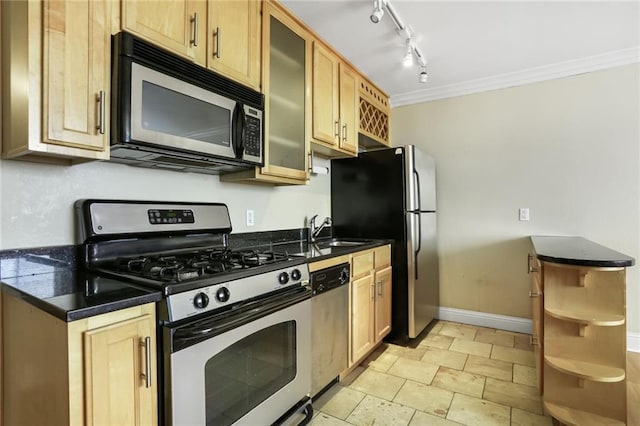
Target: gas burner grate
(196,264)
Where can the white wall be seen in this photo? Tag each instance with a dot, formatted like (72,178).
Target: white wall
(568,149)
(36,200)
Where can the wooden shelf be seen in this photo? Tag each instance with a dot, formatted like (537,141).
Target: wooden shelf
(573,417)
(586,370)
(586,317)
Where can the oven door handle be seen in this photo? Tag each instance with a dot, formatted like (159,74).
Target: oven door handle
(192,333)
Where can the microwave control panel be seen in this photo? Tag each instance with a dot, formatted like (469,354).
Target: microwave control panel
(253,136)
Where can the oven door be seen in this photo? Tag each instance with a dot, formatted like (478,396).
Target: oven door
(244,368)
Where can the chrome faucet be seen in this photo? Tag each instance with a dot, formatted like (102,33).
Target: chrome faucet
(313,231)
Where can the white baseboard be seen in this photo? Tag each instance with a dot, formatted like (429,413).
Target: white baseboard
(483,319)
(633,342)
(504,322)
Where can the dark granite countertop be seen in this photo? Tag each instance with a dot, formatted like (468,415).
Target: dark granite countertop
(578,251)
(48,279)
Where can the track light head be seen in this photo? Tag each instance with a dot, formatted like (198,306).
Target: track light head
(408,57)
(423,75)
(378,11)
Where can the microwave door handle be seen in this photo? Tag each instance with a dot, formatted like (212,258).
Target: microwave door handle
(239,123)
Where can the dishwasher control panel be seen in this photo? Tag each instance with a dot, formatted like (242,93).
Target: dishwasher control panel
(329,278)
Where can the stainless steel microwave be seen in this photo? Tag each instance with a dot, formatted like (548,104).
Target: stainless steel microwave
(170,113)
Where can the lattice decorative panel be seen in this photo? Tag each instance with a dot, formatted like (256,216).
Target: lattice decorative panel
(374,122)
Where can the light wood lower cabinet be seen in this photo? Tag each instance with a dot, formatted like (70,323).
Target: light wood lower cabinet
(95,371)
(537,296)
(370,301)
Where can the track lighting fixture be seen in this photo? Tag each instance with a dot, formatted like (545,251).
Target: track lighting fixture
(412,53)
(378,11)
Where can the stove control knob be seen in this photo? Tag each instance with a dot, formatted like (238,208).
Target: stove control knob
(201,300)
(283,278)
(296,274)
(222,295)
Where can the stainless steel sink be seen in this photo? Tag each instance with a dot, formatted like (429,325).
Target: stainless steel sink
(339,243)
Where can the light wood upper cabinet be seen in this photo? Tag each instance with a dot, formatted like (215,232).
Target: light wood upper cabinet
(56,79)
(349,114)
(118,358)
(326,113)
(233,44)
(223,35)
(335,103)
(170,24)
(76,73)
(286,83)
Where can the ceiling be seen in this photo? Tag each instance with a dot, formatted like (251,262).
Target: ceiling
(472,46)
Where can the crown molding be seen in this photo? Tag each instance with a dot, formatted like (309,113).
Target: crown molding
(518,78)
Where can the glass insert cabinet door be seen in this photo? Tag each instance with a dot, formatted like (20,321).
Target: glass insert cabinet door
(287,65)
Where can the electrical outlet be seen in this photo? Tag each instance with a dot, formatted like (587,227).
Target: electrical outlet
(524,214)
(250,218)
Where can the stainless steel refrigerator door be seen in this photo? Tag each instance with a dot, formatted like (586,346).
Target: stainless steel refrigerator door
(420,178)
(422,254)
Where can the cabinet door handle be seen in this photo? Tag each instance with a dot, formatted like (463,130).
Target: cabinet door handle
(534,341)
(336,129)
(146,344)
(216,34)
(380,288)
(532,294)
(530,268)
(101,112)
(194,22)
(344,132)
(373,291)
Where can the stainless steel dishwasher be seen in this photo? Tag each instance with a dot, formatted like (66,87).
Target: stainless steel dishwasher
(329,325)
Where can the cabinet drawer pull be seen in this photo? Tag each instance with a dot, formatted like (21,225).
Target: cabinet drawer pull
(216,34)
(146,344)
(101,112)
(532,294)
(534,341)
(194,22)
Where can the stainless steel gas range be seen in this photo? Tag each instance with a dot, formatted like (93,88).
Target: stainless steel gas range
(234,327)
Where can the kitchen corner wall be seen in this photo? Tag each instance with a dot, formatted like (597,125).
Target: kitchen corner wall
(36,200)
(568,149)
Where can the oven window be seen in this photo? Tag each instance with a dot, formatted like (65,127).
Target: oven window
(170,112)
(246,373)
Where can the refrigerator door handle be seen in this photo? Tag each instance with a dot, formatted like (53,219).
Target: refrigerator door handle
(415,172)
(419,242)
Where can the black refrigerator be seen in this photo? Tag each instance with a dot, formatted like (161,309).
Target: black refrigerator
(391,193)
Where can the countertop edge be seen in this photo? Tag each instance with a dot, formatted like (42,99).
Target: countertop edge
(578,251)
(81,313)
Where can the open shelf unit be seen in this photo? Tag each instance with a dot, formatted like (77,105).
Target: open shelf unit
(585,344)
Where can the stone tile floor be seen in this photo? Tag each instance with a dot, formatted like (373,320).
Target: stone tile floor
(457,374)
